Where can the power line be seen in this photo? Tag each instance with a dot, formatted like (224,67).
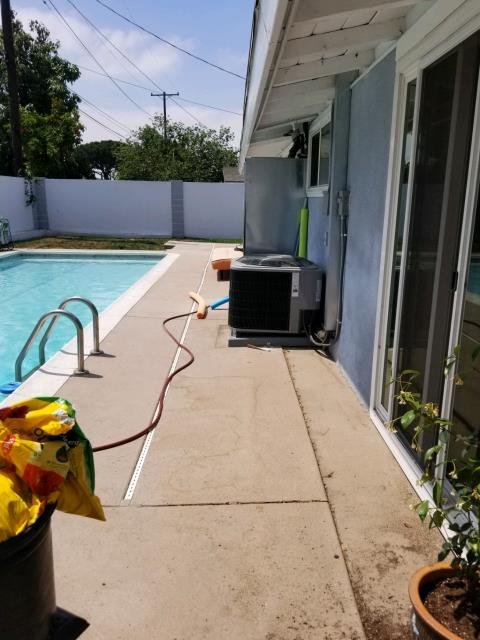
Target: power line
(104,75)
(97,30)
(188,113)
(208,106)
(116,51)
(139,86)
(188,53)
(107,115)
(64,20)
(102,124)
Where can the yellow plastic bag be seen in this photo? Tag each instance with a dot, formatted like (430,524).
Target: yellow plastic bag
(19,508)
(44,458)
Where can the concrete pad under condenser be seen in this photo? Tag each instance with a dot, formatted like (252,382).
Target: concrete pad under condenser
(242,572)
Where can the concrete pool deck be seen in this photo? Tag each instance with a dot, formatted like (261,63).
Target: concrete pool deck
(267,507)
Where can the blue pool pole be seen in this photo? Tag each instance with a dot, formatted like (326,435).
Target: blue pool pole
(218,303)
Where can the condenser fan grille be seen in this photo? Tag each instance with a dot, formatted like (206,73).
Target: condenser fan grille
(259,300)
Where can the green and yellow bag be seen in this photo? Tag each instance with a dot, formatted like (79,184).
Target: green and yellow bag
(44,459)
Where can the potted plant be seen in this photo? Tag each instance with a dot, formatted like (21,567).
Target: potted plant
(445,596)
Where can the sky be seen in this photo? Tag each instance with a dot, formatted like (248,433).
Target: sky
(218,30)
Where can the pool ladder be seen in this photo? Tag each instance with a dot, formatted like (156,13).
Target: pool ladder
(55,314)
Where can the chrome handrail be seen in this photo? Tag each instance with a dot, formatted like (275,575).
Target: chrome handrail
(80,370)
(96,333)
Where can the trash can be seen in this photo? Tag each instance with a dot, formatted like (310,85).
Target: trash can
(27,589)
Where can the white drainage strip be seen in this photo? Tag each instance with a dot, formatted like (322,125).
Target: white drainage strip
(148,440)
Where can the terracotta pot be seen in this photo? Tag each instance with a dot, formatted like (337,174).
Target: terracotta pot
(424,625)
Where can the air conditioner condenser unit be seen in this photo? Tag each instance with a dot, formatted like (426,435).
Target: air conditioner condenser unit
(273,294)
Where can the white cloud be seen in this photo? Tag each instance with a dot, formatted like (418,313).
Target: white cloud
(151,56)
(156,59)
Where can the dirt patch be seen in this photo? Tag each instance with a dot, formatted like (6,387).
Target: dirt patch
(449,603)
(378,622)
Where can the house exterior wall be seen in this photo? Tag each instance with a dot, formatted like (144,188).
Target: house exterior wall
(370,124)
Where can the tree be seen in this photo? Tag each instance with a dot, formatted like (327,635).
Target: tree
(94,159)
(50,119)
(193,154)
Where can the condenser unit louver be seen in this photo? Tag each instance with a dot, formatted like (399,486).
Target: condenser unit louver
(271,293)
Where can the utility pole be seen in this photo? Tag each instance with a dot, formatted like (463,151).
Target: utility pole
(14,107)
(164,96)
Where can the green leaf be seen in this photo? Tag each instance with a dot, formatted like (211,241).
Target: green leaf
(432,452)
(408,418)
(437,494)
(442,555)
(437,519)
(412,373)
(446,549)
(422,509)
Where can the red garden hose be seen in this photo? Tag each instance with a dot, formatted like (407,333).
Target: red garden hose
(161,398)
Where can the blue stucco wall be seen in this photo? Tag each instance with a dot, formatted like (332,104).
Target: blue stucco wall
(324,226)
(370,123)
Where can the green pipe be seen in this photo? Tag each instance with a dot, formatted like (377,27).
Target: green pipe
(303,241)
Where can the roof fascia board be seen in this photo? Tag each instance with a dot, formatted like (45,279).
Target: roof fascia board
(270,20)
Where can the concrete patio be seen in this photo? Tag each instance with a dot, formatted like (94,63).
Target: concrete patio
(268,506)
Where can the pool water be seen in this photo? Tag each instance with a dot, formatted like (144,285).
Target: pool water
(33,285)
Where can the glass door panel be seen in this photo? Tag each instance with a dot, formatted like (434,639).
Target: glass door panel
(466,406)
(446,113)
(398,242)
(425,219)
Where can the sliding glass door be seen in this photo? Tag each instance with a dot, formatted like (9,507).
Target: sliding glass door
(466,404)
(428,227)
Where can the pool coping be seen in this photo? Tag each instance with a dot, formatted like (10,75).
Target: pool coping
(133,252)
(47,380)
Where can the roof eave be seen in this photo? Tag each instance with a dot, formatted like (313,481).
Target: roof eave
(267,33)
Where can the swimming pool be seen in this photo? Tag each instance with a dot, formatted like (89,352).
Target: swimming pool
(32,284)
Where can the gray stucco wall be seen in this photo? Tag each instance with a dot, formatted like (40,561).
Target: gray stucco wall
(371,114)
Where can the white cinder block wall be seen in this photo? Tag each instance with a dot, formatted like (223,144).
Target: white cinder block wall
(213,210)
(123,208)
(109,207)
(13,206)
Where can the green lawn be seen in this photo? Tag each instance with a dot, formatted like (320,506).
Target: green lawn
(106,242)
